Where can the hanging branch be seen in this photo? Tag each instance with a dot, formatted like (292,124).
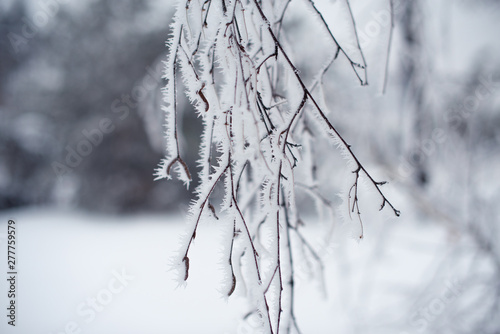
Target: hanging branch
(251,100)
(345,145)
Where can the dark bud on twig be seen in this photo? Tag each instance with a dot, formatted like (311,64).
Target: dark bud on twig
(233,287)
(211,207)
(186,264)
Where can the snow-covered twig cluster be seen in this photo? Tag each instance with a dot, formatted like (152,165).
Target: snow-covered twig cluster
(259,122)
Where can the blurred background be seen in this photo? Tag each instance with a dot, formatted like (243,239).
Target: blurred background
(81,134)
(65,68)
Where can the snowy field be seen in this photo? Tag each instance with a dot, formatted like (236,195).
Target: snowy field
(87,273)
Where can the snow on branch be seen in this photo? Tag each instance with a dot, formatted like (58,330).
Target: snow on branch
(252,102)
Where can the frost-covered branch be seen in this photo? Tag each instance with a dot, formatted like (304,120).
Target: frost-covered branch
(253,103)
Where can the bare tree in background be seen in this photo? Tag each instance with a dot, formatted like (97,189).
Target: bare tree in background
(452,145)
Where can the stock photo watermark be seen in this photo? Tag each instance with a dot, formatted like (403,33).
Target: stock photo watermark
(88,310)
(12,273)
(434,308)
(453,118)
(31,25)
(120,108)
(379,23)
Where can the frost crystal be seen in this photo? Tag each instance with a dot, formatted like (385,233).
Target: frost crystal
(258,118)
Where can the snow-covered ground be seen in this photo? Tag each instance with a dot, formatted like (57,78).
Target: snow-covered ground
(68,259)
(87,273)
